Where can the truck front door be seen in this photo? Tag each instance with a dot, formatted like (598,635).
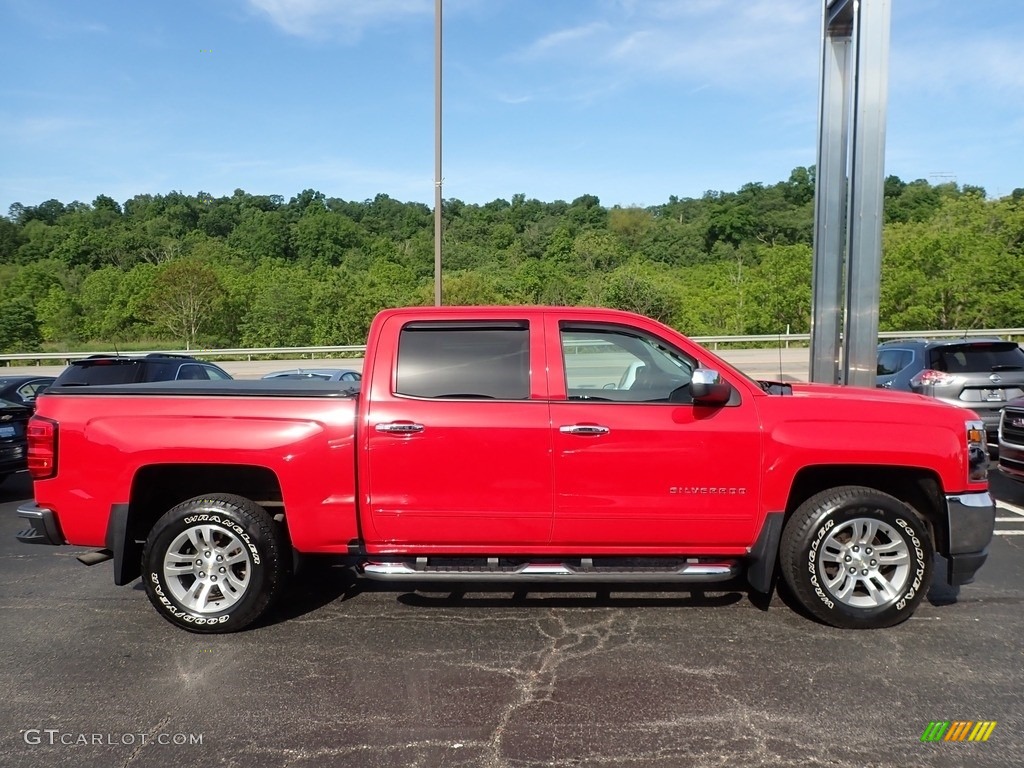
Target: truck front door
(637,466)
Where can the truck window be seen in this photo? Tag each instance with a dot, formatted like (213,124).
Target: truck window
(464,360)
(606,363)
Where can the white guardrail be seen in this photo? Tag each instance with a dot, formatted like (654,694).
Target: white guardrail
(293,353)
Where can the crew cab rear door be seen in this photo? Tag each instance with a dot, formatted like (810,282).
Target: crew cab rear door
(635,464)
(458,437)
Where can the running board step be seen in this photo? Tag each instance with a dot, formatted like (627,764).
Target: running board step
(582,570)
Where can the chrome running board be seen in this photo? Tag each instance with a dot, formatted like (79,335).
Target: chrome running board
(576,570)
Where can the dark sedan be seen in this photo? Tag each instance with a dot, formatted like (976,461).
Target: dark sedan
(23,389)
(13,445)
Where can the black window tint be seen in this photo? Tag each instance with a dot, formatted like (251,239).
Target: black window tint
(979,358)
(490,360)
(99,373)
(891,361)
(160,370)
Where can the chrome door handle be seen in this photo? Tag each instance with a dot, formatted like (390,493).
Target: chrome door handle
(584,429)
(399,428)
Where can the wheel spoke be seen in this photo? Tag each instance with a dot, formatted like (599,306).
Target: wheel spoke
(893,545)
(866,531)
(198,536)
(197,595)
(239,556)
(831,553)
(894,558)
(232,590)
(879,589)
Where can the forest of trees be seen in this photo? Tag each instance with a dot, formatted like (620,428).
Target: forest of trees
(192,271)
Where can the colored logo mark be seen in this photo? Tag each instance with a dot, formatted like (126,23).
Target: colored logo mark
(958,730)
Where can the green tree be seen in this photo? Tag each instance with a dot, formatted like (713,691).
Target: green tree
(19,331)
(639,287)
(59,316)
(185,299)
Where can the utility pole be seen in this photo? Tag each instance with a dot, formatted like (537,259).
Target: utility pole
(437,153)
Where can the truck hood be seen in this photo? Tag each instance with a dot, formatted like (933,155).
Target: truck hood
(860,394)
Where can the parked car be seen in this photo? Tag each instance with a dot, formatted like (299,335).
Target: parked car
(980,374)
(105,369)
(23,390)
(321,374)
(13,448)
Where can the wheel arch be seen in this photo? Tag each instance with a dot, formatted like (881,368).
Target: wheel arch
(157,488)
(919,488)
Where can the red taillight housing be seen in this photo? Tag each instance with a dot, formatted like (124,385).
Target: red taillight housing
(42,448)
(933,378)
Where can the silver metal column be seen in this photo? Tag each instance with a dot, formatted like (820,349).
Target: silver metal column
(849,190)
(438,178)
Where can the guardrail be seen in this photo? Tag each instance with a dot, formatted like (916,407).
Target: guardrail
(285,353)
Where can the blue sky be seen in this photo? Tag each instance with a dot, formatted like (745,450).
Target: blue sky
(629,100)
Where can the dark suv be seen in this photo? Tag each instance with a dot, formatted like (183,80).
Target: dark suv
(980,374)
(103,369)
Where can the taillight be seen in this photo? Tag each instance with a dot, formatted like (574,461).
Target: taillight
(932,378)
(42,448)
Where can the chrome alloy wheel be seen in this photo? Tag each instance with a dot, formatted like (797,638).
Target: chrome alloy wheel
(864,563)
(207,568)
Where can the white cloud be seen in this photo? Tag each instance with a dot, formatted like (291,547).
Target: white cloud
(321,18)
(726,43)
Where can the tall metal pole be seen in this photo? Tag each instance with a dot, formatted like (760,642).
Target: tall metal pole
(437,153)
(849,191)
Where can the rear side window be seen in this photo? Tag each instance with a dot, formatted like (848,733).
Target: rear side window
(161,370)
(891,361)
(464,360)
(978,358)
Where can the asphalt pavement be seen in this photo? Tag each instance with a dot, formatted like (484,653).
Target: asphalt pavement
(356,674)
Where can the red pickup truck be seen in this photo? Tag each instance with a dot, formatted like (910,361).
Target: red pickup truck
(515,444)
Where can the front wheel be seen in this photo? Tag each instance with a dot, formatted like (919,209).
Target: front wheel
(857,558)
(214,563)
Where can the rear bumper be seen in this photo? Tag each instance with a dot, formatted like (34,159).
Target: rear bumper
(43,527)
(971,520)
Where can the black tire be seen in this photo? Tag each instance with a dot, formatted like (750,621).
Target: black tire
(857,558)
(214,563)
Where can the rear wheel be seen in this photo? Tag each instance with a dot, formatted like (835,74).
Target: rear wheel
(214,563)
(858,558)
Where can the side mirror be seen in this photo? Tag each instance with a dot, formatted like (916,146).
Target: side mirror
(707,387)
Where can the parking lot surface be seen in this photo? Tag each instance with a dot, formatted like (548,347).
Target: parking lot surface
(354,674)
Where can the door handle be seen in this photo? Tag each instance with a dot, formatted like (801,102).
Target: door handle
(399,428)
(584,429)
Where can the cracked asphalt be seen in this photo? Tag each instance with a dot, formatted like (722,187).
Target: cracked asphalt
(354,674)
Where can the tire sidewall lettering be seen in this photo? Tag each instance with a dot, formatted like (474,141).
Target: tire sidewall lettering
(175,610)
(812,562)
